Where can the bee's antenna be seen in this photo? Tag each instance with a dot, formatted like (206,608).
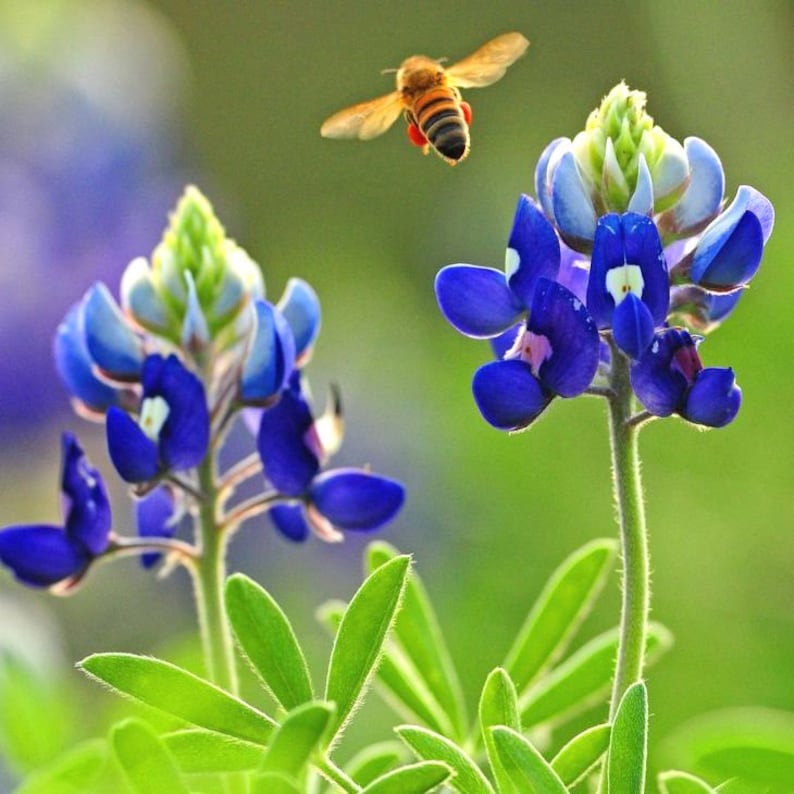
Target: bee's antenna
(391,70)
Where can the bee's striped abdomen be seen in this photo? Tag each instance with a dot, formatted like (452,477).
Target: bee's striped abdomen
(439,116)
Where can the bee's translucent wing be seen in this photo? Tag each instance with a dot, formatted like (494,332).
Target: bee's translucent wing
(489,63)
(365,120)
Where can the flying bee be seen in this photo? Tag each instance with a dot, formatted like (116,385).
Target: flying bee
(427,94)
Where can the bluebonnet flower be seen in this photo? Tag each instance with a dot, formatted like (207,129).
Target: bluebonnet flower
(293,447)
(43,555)
(555,347)
(173,425)
(670,378)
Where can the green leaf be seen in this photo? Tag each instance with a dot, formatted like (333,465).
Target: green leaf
(753,744)
(583,679)
(418,631)
(581,754)
(268,640)
(674,782)
(198,751)
(359,641)
(526,768)
(412,779)
(74,772)
(559,610)
(374,761)
(628,744)
(274,783)
(294,742)
(147,765)
(180,693)
(431,746)
(498,706)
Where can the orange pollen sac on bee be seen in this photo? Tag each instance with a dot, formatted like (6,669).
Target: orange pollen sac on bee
(466,108)
(415,135)
(531,348)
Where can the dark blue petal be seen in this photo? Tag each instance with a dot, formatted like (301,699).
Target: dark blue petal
(574,213)
(501,344)
(290,521)
(87,507)
(660,386)
(76,367)
(719,307)
(355,499)
(714,399)
(536,247)
(153,516)
(271,357)
(301,307)
(476,300)
(508,395)
(39,555)
(112,344)
(608,252)
(563,319)
(185,434)
(730,259)
(632,326)
(134,454)
(289,463)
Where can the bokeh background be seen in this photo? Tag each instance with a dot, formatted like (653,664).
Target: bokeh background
(110,106)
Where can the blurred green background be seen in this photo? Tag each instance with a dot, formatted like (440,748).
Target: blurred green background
(239,92)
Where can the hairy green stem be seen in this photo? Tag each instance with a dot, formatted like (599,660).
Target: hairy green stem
(633,536)
(331,772)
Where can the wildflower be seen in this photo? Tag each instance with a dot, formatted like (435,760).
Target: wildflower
(293,447)
(42,555)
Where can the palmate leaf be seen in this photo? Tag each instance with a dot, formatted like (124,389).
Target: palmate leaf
(359,640)
(526,768)
(77,771)
(583,679)
(299,735)
(674,782)
(755,745)
(581,754)
(179,693)
(498,706)
(198,751)
(419,635)
(412,779)
(628,744)
(431,746)
(147,765)
(559,610)
(267,639)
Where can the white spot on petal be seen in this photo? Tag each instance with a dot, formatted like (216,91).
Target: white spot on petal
(512,261)
(154,412)
(624,279)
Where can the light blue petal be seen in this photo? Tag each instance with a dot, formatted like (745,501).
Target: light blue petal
(574,213)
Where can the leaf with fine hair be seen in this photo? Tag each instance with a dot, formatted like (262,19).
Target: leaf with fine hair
(267,639)
(675,782)
(412,779)
(359,641)
(147,765)
(559,610)
(498,706)
(628,743)
(526,768)
(77,771)
(198,751)
(179,693)
(581,754)
(374,761)
(299,735)
(274,783)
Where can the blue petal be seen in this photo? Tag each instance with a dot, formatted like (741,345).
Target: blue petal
(271,357)
(563,319)
(355,499)
(660,386)
(548,159)
(728,255)
(476,300)
(290,521)
(501,344)
(153,514)
(608,252)
(134,454)
(88,516)
(184,436)
(535,242)
(301,307)
(76,367)
(40,556)
(508,395)
(714,399)
(112,344)
(632,326)
(289,463)
(574,213)
(719,307)
(574,272)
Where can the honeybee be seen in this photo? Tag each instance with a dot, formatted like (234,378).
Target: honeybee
(427,94)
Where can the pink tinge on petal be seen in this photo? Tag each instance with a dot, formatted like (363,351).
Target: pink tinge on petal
(532,348)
